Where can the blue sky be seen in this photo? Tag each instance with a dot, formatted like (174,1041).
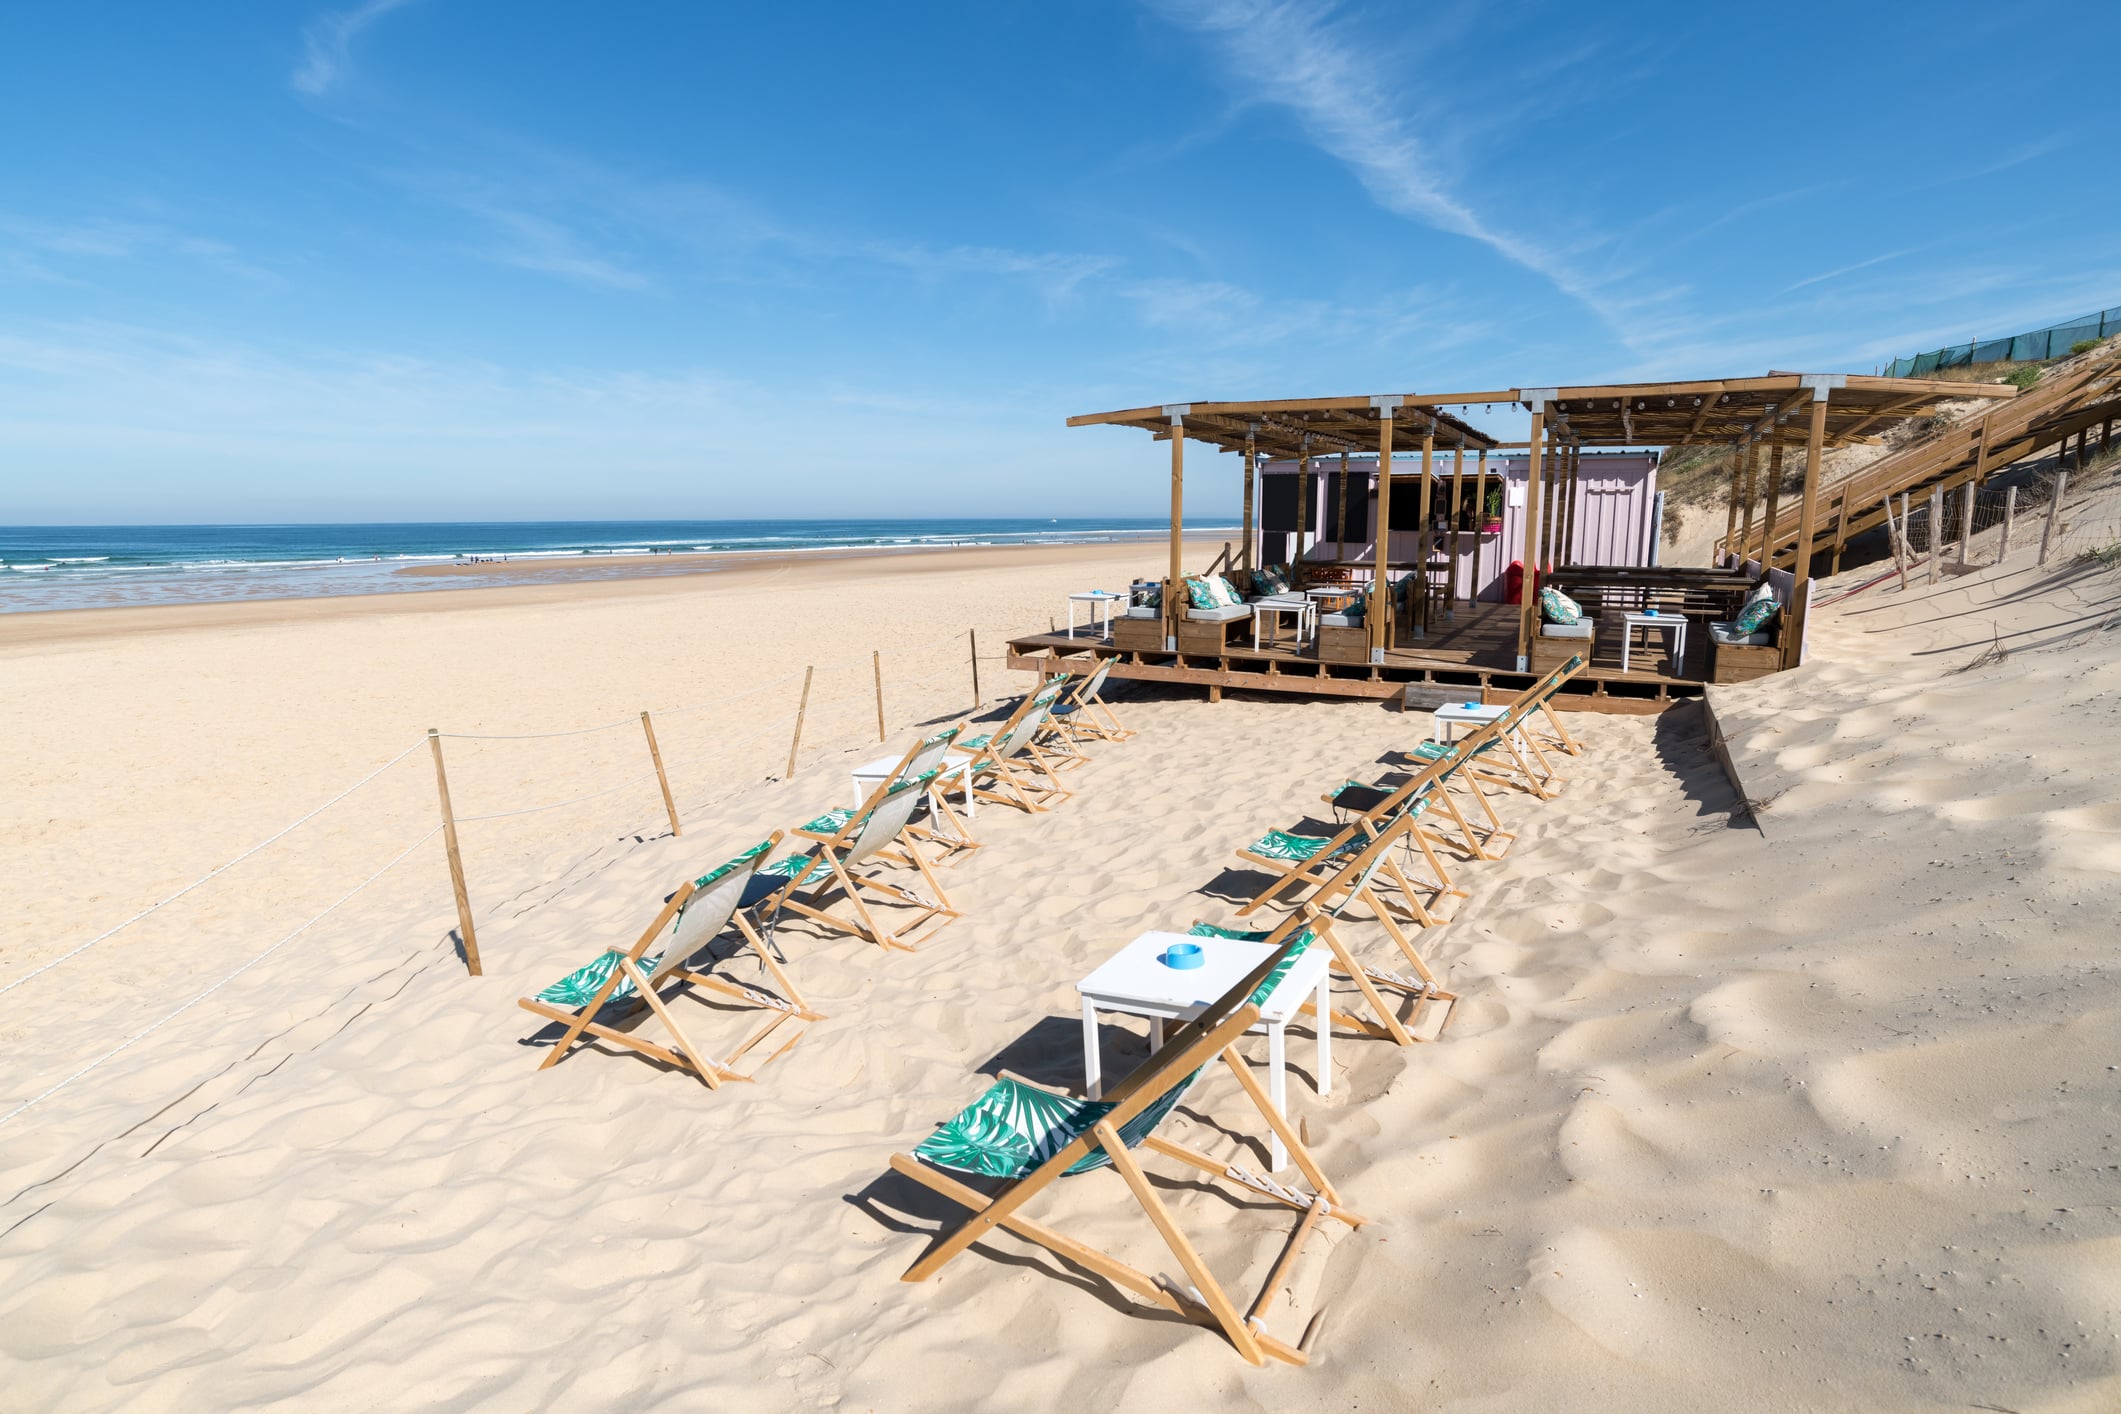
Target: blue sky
(505,259)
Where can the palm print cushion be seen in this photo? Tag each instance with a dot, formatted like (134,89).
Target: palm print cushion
(830,823)
(1558,607)
(1014,1127)
(580,987)
(1199,593)
(1758,615)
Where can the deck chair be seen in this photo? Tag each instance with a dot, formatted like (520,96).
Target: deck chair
(1360,798)
(1085,713)
(1296,858)
(1008,766)
(1516,758)
(876,831)
(935,821)
(1029,1138)
(1355,882)
(691,920)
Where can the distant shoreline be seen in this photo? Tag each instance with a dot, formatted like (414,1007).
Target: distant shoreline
(446,590)
(269,581)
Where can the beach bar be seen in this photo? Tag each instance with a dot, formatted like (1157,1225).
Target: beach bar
(1390,547)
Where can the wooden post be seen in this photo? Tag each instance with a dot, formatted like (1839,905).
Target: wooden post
(2054,509)
(1569,530)
(876,663)
(1251,475)
(1981,454)
(1897,541)
(1966,520)
(1458,492)
(1379,621)
(1172,611)
(1531,532)
(655,754)
(1730,519)
(1427,540)
(1814,469)
(2010,514)
(1745,525)
(1936,530)
(465,933)
(973,635)
(802,709)
(1480,511)
(1340,531)
(1303,496)
(1774,504)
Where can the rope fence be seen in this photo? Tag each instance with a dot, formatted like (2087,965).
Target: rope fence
(842,704)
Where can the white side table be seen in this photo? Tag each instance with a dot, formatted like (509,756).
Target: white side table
(1305,609)
(1100,602)
(1453,715)
(1132,980)
(1675,622)
(951,775)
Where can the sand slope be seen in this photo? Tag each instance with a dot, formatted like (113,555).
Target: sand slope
(1820,1119)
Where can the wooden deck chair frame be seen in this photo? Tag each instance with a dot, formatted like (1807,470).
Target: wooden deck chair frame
(1086,704)
(1495,841)
(877,831)
(1535,774)
(1211,1036)
(1318,866)
(713,903)
(1014,744)
(945,829)
(1325,908)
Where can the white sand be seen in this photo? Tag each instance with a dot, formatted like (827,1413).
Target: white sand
(1824,1119)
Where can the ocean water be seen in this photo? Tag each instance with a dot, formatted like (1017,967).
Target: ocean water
(86,566)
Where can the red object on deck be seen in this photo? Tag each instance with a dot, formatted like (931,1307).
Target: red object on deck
(1513,583)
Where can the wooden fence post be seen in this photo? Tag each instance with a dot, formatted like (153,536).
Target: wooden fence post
(2010,514)
(1966,520)
(655,754)
(2054,508)
(972,634)
(1898,541)
(456,860)
(1936,529)
(876,662)
(796,744)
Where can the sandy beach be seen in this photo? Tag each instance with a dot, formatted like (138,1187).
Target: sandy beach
(1809,1108)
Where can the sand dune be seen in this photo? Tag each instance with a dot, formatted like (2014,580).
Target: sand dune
(1816,1115)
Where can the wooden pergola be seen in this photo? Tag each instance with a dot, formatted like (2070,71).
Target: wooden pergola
(1779,409)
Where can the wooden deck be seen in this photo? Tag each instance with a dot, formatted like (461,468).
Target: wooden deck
(1476,649)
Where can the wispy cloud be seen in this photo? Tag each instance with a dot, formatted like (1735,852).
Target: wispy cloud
(1822,278)
(58,251)
(327,45)
(1298,57)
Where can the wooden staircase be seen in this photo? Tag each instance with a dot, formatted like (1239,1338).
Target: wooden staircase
(2086,394)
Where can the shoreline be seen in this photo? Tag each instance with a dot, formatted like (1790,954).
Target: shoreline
(532,583)
(303,581)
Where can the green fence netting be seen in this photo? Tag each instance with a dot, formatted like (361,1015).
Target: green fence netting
(2052,342)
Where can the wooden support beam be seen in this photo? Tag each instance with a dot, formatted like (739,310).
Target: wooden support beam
(1251,480)
(1458,494)
(1808,516)
(1480,515)
(1745,525)
(1730,517)
(1768,539)
(1427,538)
(1378,621)
(1525,596)
(1173,590)
(1340,527)
(1303,500)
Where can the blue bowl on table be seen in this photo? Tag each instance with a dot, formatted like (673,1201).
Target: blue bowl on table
(1183,957)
